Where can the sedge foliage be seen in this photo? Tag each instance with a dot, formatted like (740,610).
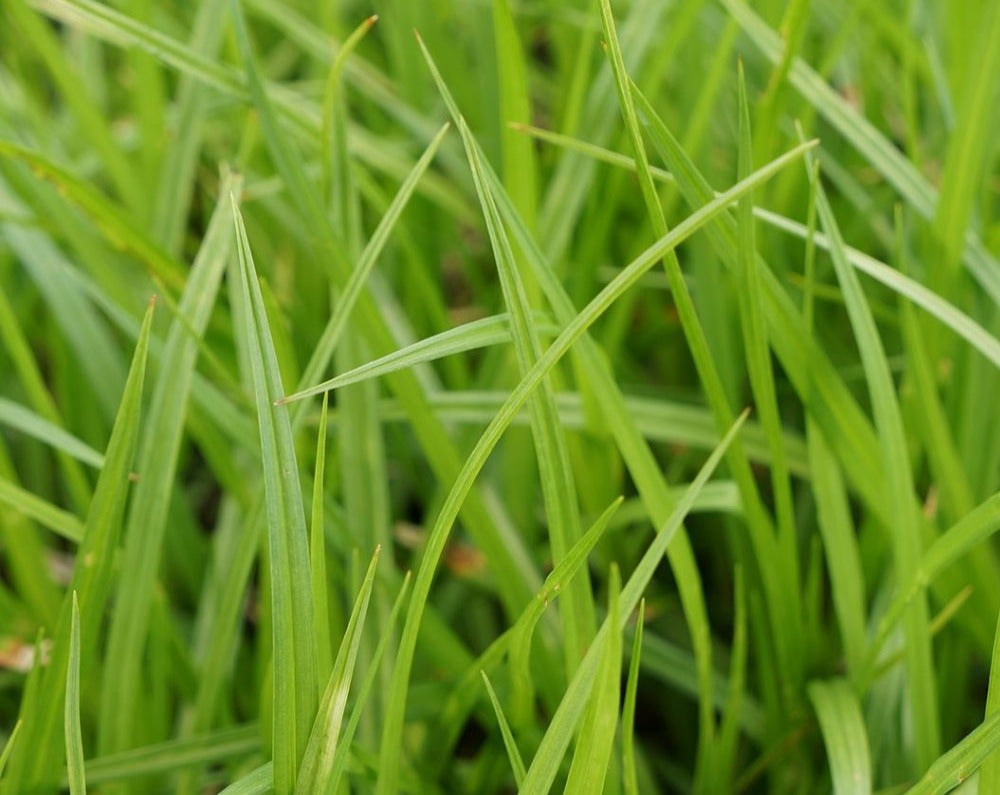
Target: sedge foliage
(589,396)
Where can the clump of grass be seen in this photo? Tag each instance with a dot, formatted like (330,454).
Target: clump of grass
(586,289)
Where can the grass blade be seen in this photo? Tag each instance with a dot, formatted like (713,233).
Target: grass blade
(210,748)
(777,580)
(111,220)
(558,486)
(28,422)
(74,736)
(841,548)
(758,356)
(521,633)
(159,451)
(36,760)
(516,762)
(293,641)
(317,764)
(967,160)
(9,745)
(45,513)
(520,170)
(958,764)
(548,758)
(928,300)
(844,734)
(906,529)
(989,774)
(594,744)
(348,298)
(630,784)
(257,782)
(364,691)
(470,336)
(736,699)
(957,541)
(317,554)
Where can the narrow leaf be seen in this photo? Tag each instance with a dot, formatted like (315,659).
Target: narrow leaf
(548,759)
(293,639)
(844,734)
(516,763)
(323,741)
(597,735)
(74,736)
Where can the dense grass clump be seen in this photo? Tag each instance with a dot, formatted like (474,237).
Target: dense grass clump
(584,396)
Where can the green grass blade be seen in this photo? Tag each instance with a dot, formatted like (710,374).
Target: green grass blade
(37,394)
(90,339)
(928,300)
(120,230)
(286,159)
(593,151)
(521,633)
(348,298)
(758,356)
(177,170)
(9,745)
(620,419)
(515,571)
(474,335)
(159,450)
(642,466)
(630,779)
(596,739)
(844,735)
(93,124)
(22,419)
(958,764)
(36,760)
(656,420)
(210,748)
(293,641)
(337,181)
(317,763)
(42,511)
(972,529)
(548,758)
(906,529)
(776,579)
(968,158)
(258,782)
(953,544)
(516,762)
(726,745)
(364,691)
(942,453)
(317,554)
(841,548)
(989,774)
(519,161)
(74,736)
(558,486)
